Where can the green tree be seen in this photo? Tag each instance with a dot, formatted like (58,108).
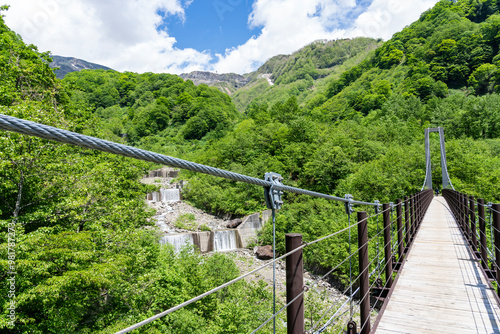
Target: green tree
(484,79)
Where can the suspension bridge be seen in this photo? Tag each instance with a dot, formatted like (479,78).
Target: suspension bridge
(431,266)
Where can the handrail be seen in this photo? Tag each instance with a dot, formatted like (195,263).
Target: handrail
(473,228)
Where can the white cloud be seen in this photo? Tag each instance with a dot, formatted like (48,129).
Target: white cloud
(288,25)
(122,34)
(386,17)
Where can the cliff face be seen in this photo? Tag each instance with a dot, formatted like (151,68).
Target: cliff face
(68,64)
(227,82)
(209,78)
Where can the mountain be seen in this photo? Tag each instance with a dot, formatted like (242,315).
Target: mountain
(305,73)
(69,64)
(300,74)
(227,83)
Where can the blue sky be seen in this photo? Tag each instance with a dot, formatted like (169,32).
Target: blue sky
(177,36)
(211,25)
(223,24)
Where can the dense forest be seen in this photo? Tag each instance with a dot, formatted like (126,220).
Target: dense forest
(344,117)
(87,259)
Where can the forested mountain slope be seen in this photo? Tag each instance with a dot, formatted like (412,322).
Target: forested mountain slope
(439,71)
(443,61)
(303,74)
(155,110)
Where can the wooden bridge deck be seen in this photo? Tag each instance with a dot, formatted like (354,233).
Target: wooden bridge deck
(441,288)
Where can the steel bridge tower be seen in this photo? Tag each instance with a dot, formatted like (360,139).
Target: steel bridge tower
(444,167)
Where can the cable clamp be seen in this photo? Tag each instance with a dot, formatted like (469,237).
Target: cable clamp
(349,209)
(377,206)
(490,205)
(391,205)
(273,196)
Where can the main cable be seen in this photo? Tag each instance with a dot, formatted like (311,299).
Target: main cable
(22,126)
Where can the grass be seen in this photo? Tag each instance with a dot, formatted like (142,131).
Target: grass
(187,221)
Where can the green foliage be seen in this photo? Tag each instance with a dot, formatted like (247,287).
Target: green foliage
(304,74)
(86,258)
(484,79)
(138,106)
(186,221)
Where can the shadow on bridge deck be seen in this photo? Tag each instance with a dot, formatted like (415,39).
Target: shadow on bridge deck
(441,288)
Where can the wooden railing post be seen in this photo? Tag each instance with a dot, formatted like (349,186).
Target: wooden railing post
(482,234)
(387,245)
(399,219)
(407,222)
(417,211)
(458,207)
(412,215)
(496,227)
(458,215)
(294,284)
(459,211)
(364,279)
(422,206)
(449,196)
(465,207)
(472,214)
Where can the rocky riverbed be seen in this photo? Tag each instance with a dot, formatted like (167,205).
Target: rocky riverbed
(320,292)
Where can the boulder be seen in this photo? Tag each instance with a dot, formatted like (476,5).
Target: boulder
(264,252)
(234,223)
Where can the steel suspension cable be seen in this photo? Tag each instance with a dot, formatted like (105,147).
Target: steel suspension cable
(350,264)
(281,310)
(30,128)
(492,240)
(274,270)
(333,317)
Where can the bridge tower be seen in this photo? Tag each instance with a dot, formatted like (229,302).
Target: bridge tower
(444,167)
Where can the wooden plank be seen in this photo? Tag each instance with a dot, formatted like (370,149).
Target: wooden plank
(455,304)
(441,288)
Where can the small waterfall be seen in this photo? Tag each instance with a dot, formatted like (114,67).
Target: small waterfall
(156,197)
(160,222)
(225,240)
(170,195)
(178,240)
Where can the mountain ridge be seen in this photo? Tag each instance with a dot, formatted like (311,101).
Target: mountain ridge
(298,74)
(64,65)
(226,82)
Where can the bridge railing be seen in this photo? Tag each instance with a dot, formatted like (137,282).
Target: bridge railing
(370,281)
(479,223)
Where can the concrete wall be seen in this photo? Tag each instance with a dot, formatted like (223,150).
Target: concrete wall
(251,225)
(163,172)
(165,195)
(246,232)
(204,241)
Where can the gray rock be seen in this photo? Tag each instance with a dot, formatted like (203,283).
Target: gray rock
(234,223)
(264,252)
